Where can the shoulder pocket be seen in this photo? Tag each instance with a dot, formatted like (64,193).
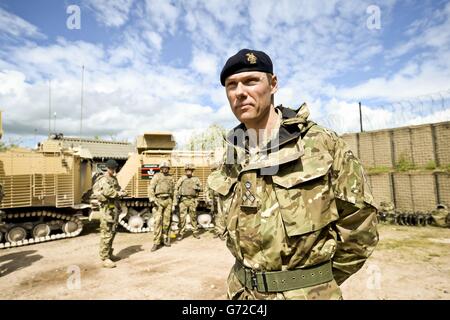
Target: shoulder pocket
(305,195)
(220,183)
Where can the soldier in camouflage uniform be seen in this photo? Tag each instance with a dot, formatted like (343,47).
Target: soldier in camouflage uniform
(441,216)
(386,212)
(212,199)
(299,215)
(160,193)
(108,192)
(186,194)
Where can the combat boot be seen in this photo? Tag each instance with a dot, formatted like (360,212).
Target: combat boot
(196,236)
(179,237)
(156,247)
(114,258)
(167,242)
(108,263)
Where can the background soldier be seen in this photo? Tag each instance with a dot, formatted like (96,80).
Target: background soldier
(386,212)
(107,191)
(300,216)
(160,193)
(186,194)
(212,198)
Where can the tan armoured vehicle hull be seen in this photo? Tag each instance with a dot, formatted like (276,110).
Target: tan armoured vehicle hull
(136,174)
(43,195)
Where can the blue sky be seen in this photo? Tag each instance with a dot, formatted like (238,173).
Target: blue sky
(155,64)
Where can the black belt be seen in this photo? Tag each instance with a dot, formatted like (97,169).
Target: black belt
(278,281)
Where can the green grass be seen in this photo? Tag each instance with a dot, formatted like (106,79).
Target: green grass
(404,164)
(431,165)
(379,169)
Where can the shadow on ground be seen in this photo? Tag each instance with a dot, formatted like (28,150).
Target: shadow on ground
(127,252)
(17,260)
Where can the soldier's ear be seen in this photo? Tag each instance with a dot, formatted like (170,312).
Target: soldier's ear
(273,84)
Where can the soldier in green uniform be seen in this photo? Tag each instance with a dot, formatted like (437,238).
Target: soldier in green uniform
(160,193)
(299,215)
(212,199)
(186,193)
(108,192)
(441,216)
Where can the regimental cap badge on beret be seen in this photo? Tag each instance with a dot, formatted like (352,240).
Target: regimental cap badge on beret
(251,58)
(246,60)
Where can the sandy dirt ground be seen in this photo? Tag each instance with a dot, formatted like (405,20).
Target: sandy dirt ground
(409,263)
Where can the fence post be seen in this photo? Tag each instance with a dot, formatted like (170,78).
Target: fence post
(360,118)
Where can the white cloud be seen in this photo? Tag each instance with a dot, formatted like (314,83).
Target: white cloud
(411,81)
(111,13)
(12,25)
(130,87)
(204,63)
(162,14)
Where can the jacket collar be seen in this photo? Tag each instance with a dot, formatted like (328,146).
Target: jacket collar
(293,124)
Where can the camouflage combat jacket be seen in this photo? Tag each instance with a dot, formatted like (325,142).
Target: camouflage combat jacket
(301,201)
(161,185)
(106,189)
(188,186)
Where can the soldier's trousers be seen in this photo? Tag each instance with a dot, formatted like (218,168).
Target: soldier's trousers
(188,206)
(163,217)
(108,227)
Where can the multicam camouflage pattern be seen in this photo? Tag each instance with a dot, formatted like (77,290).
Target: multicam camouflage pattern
(160,192)
(161,185)
(303,201)
(186,193)
(441,216)
(386,212)
(188,186)
(107,191)
(212,198)
(188,206)
(162,219)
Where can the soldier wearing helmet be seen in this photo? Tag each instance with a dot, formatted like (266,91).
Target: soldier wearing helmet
(107,191)
(186,194)
(160,193)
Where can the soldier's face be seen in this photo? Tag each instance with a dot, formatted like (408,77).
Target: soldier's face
(189,173)
(111,171)
(249,94)
(165,170)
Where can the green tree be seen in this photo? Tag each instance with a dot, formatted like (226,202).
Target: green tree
(211,139)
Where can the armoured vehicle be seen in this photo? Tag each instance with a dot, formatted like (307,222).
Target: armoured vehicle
(140,167)
(46,189)
(43,194)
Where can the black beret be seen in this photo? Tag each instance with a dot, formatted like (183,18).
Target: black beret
(111,164)
(246,60)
